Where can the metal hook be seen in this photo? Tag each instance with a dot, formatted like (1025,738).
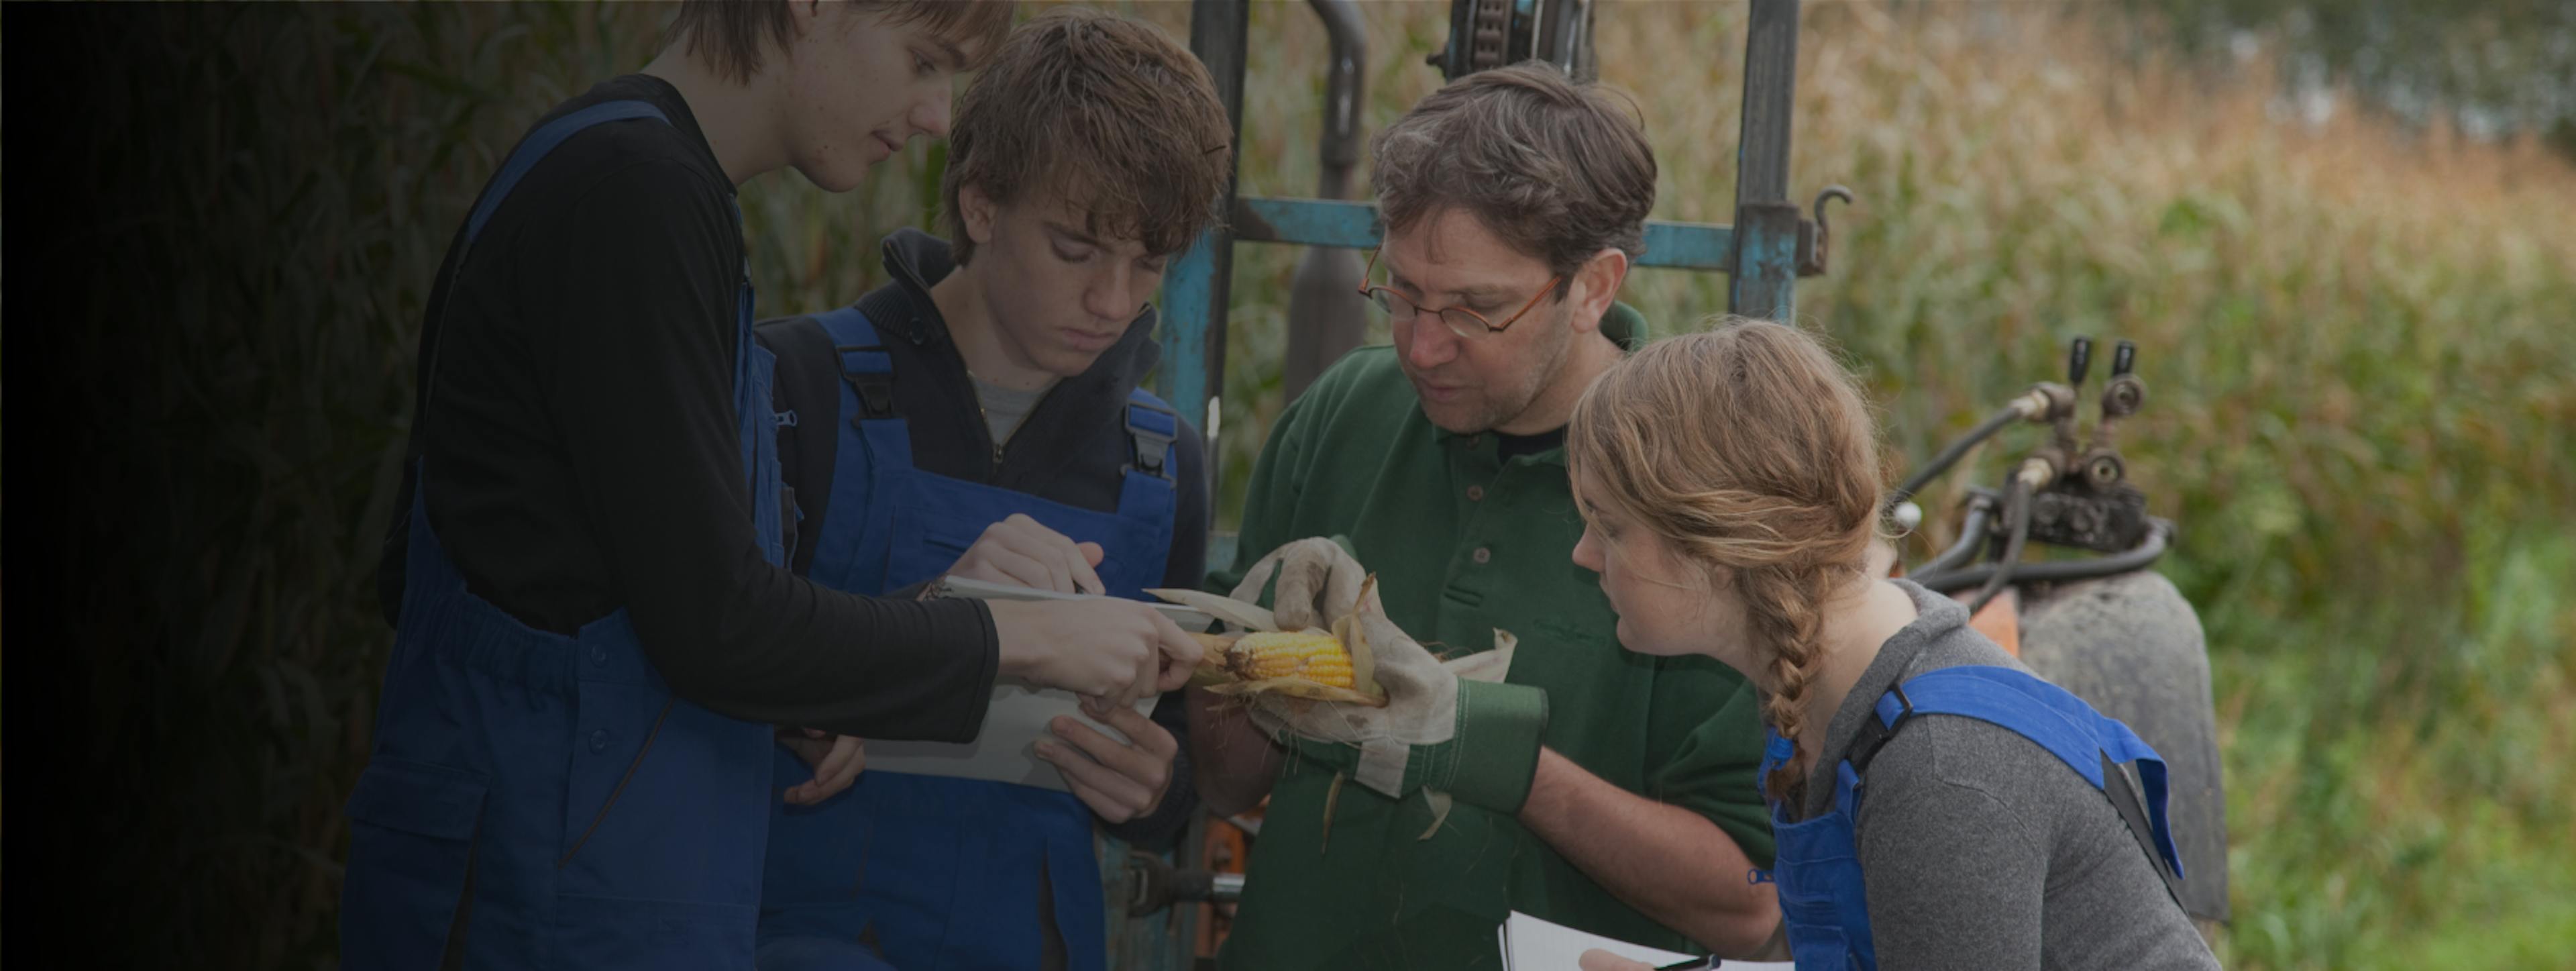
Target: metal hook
(1831,192)
(1812,261)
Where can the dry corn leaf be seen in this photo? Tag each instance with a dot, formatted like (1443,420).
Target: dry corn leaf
(1439,802)
(1490,666)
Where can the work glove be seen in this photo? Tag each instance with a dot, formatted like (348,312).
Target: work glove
(1319,583)
(1453,728)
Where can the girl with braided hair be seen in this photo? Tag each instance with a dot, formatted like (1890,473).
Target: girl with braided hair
(1730,486)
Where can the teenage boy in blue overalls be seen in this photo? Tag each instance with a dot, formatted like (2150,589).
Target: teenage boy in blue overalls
(981,416)
(596,629)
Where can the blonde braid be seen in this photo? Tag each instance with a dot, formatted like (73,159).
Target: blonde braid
(1782,609)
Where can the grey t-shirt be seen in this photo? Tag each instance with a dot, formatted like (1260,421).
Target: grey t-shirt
(1005,409)
(1980,848)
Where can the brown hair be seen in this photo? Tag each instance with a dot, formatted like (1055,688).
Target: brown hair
(1752,453)
(733,34)
(1560,169)
(1107,112)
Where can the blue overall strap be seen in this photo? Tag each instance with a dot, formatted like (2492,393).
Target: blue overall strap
(1152,427)
(2054,718)
(531,150)
(873,446)
(865,366)
(544,140)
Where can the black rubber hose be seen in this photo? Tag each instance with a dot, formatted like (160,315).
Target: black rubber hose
(1972,537)
(1950,454)
(2147,552)
(2017,508)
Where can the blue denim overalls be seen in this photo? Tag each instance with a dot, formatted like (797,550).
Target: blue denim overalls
(935,873)
(550,785)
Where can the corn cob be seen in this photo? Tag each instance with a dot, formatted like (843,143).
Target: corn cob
(1315,656)
(1259,658)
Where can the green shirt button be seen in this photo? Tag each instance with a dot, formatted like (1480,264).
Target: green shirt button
(1483,556)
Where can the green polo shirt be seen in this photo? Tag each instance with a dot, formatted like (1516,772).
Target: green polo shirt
(1462,543)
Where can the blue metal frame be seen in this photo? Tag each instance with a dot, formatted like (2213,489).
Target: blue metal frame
(1354,225)
(1764,279)
(1761,251)
(1189,311)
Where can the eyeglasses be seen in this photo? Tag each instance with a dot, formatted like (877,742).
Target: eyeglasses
(1467,324)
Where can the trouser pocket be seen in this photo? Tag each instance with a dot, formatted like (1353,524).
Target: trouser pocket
(1817,939)
(411,844)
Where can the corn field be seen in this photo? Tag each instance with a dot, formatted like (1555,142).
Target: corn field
(2358,341)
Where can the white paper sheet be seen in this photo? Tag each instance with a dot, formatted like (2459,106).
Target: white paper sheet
(1531,944)
(1006,749)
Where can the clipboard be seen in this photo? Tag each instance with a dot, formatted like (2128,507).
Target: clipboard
(1005,746)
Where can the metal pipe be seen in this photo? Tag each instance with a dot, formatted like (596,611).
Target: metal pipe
(2017,511)
(2159,537)
(1343,84)
(2019,408)
(1225,887)
(1327,317)
(1152,885)
(1972,537)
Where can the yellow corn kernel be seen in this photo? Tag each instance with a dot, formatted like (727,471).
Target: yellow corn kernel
(1313,656)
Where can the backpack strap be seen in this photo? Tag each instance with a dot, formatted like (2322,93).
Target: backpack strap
(1152,427)
(864,362)
(2091,743)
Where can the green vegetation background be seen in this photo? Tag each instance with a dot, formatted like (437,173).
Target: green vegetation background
(2357,338)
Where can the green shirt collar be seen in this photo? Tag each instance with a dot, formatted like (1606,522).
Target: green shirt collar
(1624,326)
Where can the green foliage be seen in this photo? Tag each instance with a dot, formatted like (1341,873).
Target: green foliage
(2488,65)
(2357,348)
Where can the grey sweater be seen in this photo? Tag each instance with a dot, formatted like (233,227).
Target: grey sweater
(1981,850)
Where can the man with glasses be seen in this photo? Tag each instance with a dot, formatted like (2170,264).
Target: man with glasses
(1588,786)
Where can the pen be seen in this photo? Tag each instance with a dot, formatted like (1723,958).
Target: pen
(1694,964)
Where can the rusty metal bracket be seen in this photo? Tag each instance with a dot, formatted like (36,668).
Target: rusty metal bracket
(1814,237)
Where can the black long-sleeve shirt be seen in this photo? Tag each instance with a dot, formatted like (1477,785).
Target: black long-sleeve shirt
(581,453)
